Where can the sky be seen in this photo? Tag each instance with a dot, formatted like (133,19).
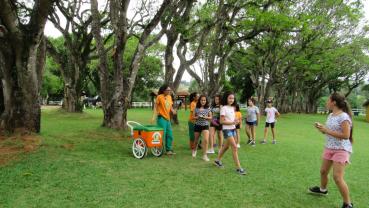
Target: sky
(50,30)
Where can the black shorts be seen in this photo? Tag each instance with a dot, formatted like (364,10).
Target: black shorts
(199,128)
(217,127)
(254,123)
(269,124)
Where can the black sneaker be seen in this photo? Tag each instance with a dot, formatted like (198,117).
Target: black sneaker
(316,190)
(344,205)
(241,171)
(249,142)
(218,163)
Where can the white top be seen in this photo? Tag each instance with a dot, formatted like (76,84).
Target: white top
(229,116)
(270,114)
(334,124)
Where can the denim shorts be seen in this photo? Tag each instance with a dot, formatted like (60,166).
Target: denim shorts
(227,133)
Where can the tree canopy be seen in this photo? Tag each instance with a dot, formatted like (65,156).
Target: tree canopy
(295,52)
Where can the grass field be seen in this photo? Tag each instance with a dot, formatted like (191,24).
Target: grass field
(80,164)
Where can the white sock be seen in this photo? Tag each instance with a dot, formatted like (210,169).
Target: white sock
(323,190)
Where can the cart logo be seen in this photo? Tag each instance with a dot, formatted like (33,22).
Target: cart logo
(156,138)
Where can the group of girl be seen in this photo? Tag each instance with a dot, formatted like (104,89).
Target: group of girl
(253,118)
(222,119)
(205,121)
(219,118)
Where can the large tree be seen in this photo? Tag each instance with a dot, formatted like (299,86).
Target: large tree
(235,22)
(323,48)
(22,57)
(116,88)
(75,55)
(149,75)
(176,24)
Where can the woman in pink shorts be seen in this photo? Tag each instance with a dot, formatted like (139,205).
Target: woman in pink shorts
(338,131)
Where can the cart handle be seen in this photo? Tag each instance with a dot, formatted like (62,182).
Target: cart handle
(129,124)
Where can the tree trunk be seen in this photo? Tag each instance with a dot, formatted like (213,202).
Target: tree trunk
(71,102)
(265,94)
(21,84)
(114,107)
(116,94)
(113,116)
(1,99)
(72,83)
(73,70)
(22,59)
(292,104)
(143,44)
(182,11)
(169,69)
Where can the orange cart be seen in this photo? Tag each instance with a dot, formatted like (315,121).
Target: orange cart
(145,137)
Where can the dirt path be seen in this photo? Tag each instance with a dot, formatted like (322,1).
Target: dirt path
(12,146)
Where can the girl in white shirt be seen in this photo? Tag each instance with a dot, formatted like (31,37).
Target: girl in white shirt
(229,122)
(271,114)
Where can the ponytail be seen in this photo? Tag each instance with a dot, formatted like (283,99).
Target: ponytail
(347,109)
(342,104)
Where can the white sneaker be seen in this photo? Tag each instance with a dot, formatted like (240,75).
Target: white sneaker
(210,151)
(205,158)
(238,146)
(194,152)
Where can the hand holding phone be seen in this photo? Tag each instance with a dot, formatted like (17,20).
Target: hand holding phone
(320,127)
(317,124)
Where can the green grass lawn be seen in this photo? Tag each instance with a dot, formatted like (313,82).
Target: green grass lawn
(97,168)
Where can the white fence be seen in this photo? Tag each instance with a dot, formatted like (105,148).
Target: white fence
(141,105)
(243,106)
(355,111)
(55,102)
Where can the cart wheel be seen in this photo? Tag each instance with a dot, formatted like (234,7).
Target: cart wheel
(139,148)
(157,151)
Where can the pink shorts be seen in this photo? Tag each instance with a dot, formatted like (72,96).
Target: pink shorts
(341,156)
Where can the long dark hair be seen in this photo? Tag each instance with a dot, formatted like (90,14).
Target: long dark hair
(162,89)
(237,109)
(225,99)
(192,96)
(213,104)
(342,104)
(198,104)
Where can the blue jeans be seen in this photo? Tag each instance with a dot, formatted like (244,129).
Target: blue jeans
(227,133)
